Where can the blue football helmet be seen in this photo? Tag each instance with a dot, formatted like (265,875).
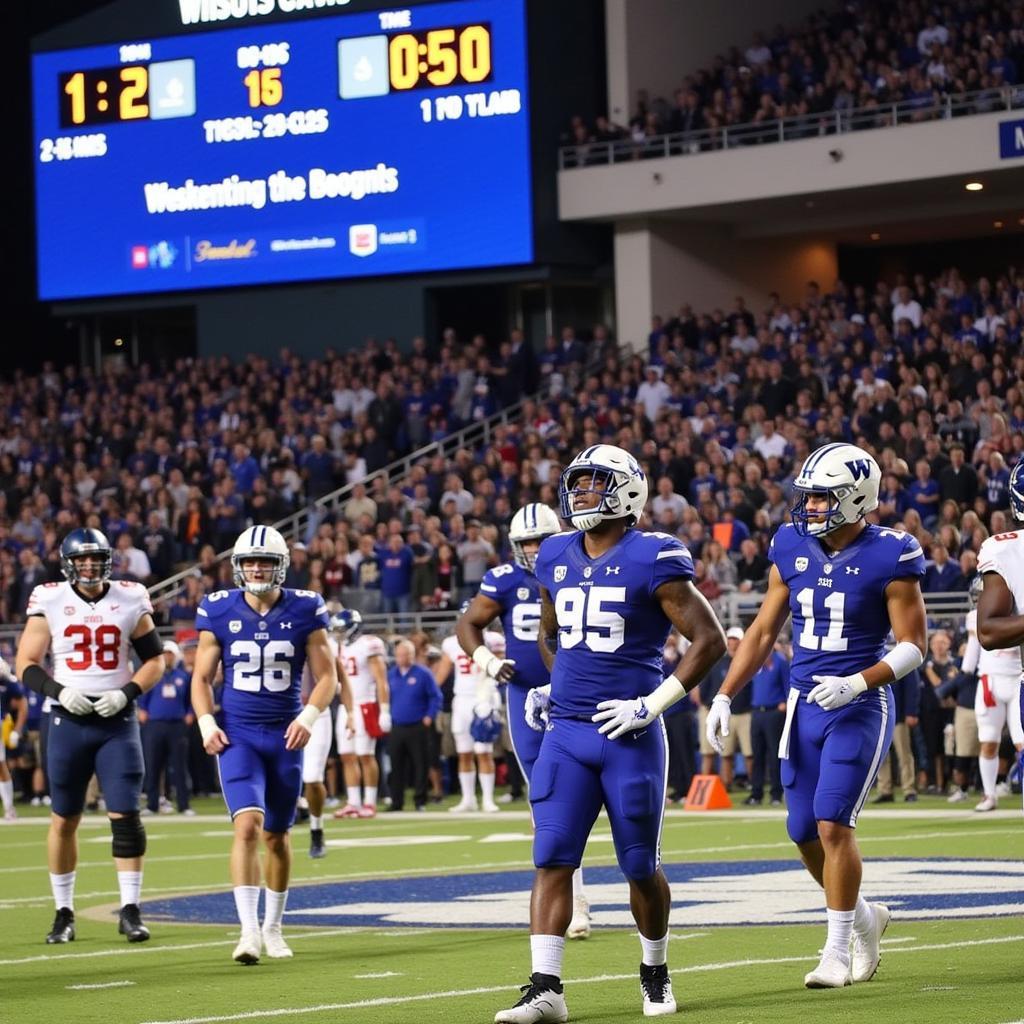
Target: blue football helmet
(1017,491)
(485,728)
(81,542)
(349,623)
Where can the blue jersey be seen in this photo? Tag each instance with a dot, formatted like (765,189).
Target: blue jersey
(840,619)
(263,655)
(518,593)
(611,629)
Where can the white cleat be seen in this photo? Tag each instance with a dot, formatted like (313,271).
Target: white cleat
(830,973)
(989,803)
(957,796)
(867,948)
(490,807)
(464,807)
(538,1005)
(656,987)
(248,949)
(579,926)
(274,944)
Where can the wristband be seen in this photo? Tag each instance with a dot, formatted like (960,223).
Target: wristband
(904,658)
(307,717)
(385,709)
(35,677)
(207,726)
(665,695)
(482,658)
(132,690)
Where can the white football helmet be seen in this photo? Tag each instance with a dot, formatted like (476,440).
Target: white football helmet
(260,542)
(532,522)
(612,473)
(848,475)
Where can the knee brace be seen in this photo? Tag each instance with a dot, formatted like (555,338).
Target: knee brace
(129,836)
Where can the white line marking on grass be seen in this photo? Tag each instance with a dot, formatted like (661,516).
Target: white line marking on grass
(687,935)
(892,942)
(293,1011)
(382,974)
(105,984)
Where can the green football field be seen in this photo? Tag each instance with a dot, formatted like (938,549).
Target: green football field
(421,918)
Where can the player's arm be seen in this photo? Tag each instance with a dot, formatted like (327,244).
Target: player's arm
(28,667)
(547,634)
(470,631)
(379,672)
(908,619)
(150,651)
(325,671)
(204,672)
(998,626)
(443,669)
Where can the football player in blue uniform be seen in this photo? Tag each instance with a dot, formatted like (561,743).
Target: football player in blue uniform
(847,584)
(262,634)
(609,596)
(511,592)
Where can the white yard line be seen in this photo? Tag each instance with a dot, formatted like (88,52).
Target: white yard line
(105,984)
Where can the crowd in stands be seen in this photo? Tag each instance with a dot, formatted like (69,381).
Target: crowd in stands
(863,56)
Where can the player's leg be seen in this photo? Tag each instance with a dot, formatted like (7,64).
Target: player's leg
(314,764)
(284,782)
(366,751)
(484,754)
(566,797)
(6,786)
(634,781)
(345,739)
(462,718)
(991,715)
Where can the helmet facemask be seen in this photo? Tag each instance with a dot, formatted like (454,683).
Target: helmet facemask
(257,587)
(72,569)
(599,481)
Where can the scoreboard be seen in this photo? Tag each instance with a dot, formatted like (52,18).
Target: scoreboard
(384,142)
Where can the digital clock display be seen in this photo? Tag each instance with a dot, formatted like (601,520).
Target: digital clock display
(372,143)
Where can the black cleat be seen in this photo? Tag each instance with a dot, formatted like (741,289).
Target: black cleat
(63,929)
(129,923)
(656,987)
(316,843)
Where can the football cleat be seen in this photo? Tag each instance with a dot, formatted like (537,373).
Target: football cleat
(542,1002)
(10,814)
(464,807)
(63,927)
(316,843)
(348,811)
(830,973)
(989,803)
(248,949)
(490,807)
(367,811)
(867,947)
(274,944)
(129,922)
(579,926)
(957,796)
(656,986)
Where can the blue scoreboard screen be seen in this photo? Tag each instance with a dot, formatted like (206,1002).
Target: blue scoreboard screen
(362,144)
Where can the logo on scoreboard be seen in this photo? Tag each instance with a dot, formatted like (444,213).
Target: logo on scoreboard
(160,256)
(362,239)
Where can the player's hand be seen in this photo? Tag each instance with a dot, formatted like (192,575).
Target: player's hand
(501,670)
(834,692)
(13,739)
(384,718)
(537,709)
(717,725)
(75,701)
(622,716)
(215,740)
(111,703)
(296,736)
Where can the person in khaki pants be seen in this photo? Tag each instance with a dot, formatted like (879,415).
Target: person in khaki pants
(907,701)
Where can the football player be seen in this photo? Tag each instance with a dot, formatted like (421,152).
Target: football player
(13,703)
(474,696)
(511,592)
(89,626)
(846,584)
(609,596)
(1001,613)
(365,661)
(262,634)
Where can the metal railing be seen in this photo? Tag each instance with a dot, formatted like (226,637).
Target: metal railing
(788,129)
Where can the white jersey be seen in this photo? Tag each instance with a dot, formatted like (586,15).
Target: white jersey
(467,675)
(90,642)
(356,659)
(988,663)
(1004,554)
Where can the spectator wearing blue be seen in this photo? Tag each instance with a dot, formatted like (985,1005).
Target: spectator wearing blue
(769,690)
(165,713)
(923,494)
(906,707)
(997,482)
(396,565)
(318,466)
(964,687)
(415,702)
(244,468)
(943,574)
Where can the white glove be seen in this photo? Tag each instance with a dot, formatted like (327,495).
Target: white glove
(622,716)
(110,703)
(537,709)
(75,701)
(13,739)
(717,724)
(834,692)
(501,669)
(384,718)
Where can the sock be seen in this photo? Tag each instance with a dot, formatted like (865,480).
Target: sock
(840,925)
(7,794)
(546,953)
(370,796)
(275,908)
(487,787)
(354,796)
(989,768)
(467,783)
(130,883)
(655,951)
(863,916)
(316,823)
(247,901)
(577,885)
(63,887)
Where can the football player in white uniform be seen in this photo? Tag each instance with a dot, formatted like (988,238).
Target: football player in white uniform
(1001,619)
(318,749)
(89,626)
(364,658)
(474,696)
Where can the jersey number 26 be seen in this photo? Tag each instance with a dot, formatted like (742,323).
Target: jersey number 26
(257,665)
